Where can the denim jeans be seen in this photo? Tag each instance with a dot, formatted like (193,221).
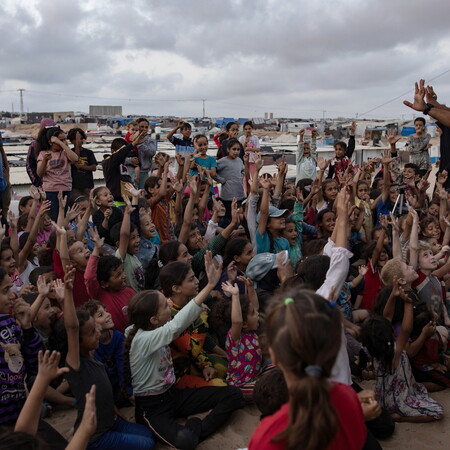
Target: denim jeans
(53,197)
(125,435)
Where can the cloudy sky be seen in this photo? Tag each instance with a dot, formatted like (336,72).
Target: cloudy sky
(294,58)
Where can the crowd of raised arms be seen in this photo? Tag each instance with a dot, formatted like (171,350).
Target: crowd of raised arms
(202,284)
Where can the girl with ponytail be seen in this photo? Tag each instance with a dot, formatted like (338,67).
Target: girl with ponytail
(304,337)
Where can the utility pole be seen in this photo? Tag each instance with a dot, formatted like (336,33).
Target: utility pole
(323,115)
(21,102)
(203,100)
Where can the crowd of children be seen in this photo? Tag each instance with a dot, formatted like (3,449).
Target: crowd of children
(216,285)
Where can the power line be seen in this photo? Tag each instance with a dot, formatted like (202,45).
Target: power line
(402,95)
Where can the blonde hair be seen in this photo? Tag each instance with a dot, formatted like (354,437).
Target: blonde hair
(133,123)
(393,268)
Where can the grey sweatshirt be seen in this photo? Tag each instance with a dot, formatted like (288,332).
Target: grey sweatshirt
(230,172)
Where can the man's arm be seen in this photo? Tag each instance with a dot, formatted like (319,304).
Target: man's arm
(438,113)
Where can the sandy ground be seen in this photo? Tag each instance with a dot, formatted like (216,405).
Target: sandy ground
(236,433)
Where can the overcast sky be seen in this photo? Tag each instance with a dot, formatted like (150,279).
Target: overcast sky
(294,58)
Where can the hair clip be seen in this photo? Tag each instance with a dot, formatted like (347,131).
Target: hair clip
(160,264)
(313,371)
(288,300)
(332,304)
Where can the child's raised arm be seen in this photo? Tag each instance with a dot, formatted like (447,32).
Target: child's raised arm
(264,207)
(407,326)
(386,176)
(125,229)
(43,290)
(26,250)
(71,323)
(236,312)
(213,274)
(14,240)
(28,420)
(396,245)
(186,226)
(414,239)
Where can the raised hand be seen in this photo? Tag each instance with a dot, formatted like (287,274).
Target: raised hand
(423,185)
(301,133)
(73,212)
(413,213)
(391,137)
(12,220)
(128,208)
(259,162)
(362,270)
(132,190)
(42,286)
(430,95)
(412,200)
(235,217)
(59,230)
(48,365)
(62,200)
(387,159)
(22,313)
(419,94)
(179,159)
(265,183)
(229,288)
(342,202)
(213,273)
(45,207)
(34,192)
(394,222)
(398,291)
(177,185)
(442,177)
(323,163)
(58,288)
(69,277)
(95,238)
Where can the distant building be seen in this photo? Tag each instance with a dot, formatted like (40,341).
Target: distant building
(63,116)
(102,110)
(36,117)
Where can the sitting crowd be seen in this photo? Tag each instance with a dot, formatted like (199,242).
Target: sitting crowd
(200,284)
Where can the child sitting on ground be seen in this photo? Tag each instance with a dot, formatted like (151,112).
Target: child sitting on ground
(105,280)
(127,240)
(158,402)
(242,345)
(396,389)
(84,371)
(110,348)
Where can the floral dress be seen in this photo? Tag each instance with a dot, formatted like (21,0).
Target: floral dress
(416,147)
(400,393)
(244,358)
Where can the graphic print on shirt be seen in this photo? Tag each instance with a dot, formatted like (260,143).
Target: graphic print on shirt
(13,356)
